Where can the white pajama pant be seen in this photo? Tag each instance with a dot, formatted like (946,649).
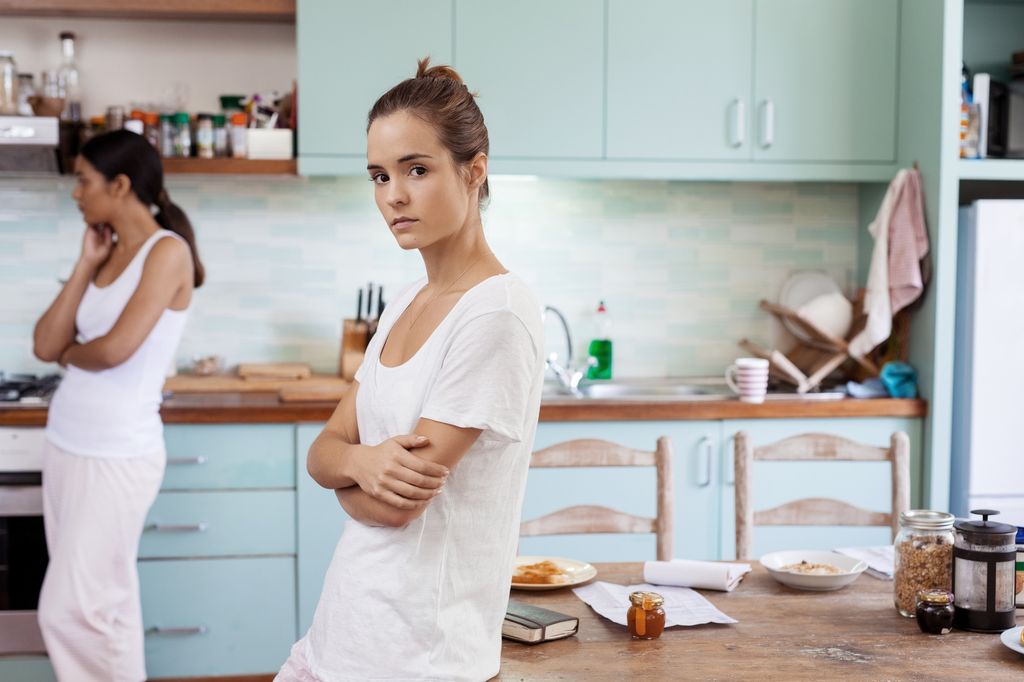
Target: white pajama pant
(296,668)
(89,608)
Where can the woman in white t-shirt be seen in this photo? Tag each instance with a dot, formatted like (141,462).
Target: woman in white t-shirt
(115,327)
(428,452)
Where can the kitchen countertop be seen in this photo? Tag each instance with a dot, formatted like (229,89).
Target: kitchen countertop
(782,633)
(257,408)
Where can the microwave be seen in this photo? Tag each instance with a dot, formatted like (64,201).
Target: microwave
(1002,117)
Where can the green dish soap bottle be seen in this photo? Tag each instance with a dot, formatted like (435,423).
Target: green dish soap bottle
(601,347)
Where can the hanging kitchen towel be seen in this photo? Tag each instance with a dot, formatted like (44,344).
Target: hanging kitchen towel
(908,244)
(878,302)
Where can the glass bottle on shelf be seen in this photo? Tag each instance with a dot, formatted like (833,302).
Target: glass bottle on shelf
(68,80)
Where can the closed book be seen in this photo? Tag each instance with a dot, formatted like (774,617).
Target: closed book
(533,624)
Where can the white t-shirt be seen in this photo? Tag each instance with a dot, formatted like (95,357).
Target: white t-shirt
(115,412)
(426,602)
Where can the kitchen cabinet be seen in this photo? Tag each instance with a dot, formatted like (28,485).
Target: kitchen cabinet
(865,484)
(217,558)
(825,80)
(321,520)
(538,67)
(679,79)
(349,55)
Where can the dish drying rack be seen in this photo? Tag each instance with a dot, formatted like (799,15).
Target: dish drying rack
(809,361)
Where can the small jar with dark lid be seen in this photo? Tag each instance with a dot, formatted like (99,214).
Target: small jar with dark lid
(645,617)
(935,611)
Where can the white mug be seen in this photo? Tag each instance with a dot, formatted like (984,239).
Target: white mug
(748,378)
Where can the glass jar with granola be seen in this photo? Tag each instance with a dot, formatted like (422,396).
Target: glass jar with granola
(923,556)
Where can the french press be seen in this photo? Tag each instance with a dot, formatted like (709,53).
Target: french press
(983,574)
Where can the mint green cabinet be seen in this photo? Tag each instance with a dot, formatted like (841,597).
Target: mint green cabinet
(865,484)
(679,79)
(218,616)
(321,520)
(825,80)
(695,447)
(538,67)
(349,54)
(229,456)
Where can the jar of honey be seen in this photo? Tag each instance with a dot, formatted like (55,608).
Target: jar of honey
(645,617)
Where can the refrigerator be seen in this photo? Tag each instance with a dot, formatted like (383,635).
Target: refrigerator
(988,397)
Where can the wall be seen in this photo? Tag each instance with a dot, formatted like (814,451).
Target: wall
(681,265)
(184,64)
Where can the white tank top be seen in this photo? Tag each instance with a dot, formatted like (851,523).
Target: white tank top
(116,412)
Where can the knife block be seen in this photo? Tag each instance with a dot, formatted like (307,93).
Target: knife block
(355,335)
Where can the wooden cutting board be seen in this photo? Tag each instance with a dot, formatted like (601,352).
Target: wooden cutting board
(274,370)
(299,393)
(229,383)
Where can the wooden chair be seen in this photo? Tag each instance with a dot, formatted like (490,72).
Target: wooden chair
(599,519)
(817,511)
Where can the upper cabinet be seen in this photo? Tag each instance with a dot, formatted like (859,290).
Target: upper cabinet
(725,90)
(538,67)
(825,80)
(349,55)
(679,79)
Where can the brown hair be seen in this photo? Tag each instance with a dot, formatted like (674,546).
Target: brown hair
(122,152)
(438,96)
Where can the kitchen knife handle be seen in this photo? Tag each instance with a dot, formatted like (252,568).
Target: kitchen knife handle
(739,123)
(193,630)
(187,460)
(178,528)
(706,444)
(767,123)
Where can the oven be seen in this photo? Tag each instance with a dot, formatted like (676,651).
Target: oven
(23,554)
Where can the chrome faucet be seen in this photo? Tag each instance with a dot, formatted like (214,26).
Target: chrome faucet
(567,376)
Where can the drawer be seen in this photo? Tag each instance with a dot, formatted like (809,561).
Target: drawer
(203,457)
(219,523)
(217,616)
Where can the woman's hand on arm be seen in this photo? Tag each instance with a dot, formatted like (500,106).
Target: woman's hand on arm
(162,279)
(445,447)
(55,330)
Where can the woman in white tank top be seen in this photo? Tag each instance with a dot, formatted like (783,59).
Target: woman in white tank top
(115,327)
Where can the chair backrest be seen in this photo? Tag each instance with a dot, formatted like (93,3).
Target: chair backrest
(598,519)
(817,511)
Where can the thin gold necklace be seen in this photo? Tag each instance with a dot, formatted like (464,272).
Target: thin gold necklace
(444,291)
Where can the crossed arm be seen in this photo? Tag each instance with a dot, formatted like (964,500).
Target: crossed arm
(390,484)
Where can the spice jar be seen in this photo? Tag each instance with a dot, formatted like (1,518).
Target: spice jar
(983,574)
(935,611)
(645,617)
(204,136)
(923,556)
(8,84)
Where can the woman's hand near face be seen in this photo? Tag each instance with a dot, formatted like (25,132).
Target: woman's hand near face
(391,473)
(97,242)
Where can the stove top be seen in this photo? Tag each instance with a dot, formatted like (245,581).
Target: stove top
(27,389)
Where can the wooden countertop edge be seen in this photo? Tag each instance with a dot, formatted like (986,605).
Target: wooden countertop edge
(189,409)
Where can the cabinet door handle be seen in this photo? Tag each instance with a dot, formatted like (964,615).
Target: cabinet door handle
(193,630)
(187,460)
(739,123)
(706,444)
(178,528)
(767,123)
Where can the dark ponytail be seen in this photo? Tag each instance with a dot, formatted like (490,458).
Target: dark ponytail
(122,152)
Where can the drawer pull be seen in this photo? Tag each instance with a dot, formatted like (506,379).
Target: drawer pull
(178,528)
(195,630)
(187,460)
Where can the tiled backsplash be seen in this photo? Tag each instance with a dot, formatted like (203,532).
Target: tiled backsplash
(681,265)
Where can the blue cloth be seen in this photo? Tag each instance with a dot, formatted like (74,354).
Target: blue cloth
(899,379)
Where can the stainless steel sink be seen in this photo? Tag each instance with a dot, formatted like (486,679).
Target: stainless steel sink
(667,389)
(616,391)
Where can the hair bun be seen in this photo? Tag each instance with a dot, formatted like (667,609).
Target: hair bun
(424,70)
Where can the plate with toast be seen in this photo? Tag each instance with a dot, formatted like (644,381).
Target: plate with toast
(550,573)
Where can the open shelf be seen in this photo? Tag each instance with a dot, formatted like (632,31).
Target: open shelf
(992,169)
(210,10)
(231,166)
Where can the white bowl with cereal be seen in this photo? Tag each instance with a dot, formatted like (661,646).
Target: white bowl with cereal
(812,569)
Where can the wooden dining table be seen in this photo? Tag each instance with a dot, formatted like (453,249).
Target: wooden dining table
(854,633)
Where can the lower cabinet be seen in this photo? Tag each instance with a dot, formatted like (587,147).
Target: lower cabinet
(217,616)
